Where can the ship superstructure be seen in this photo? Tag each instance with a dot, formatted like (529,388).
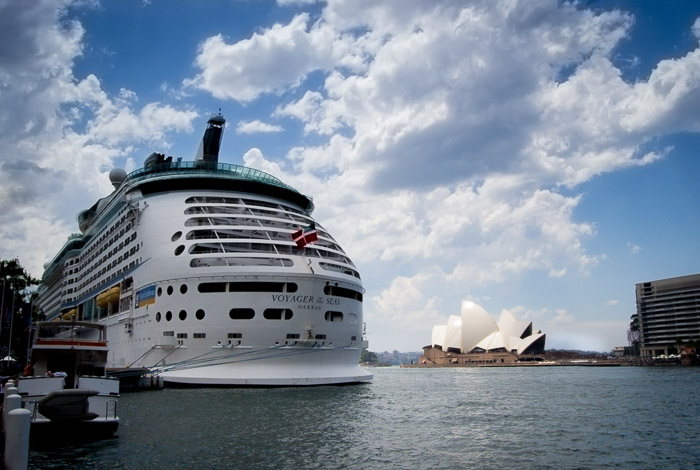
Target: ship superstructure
(194,269)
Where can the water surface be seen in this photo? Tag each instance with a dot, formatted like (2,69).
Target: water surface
(500,418)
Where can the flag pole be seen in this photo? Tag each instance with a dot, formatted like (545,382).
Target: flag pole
(12,321)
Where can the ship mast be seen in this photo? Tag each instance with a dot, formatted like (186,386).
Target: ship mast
(211,142)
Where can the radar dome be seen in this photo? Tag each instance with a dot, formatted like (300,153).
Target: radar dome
(117,177)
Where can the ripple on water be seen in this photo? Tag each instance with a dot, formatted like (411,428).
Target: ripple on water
(563,417)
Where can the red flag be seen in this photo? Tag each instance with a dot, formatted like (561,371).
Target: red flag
(303,237)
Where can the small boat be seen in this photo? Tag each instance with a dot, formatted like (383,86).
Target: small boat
(77,398)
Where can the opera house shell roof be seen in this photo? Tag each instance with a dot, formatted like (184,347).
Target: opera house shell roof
(475,331)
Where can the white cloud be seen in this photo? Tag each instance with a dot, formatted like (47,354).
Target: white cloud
(257,127)
(634,249)
(274,60)
(451,139)
(448,138)
(49,165)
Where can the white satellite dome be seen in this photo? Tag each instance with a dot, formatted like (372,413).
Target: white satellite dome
(117,177)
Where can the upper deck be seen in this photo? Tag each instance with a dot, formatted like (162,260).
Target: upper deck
(70,335)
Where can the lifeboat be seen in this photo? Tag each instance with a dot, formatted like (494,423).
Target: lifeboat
(112,296)
(69,314)
(109,296)
(102,299)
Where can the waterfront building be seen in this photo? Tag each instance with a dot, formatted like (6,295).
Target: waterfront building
(474,336)
(668,311)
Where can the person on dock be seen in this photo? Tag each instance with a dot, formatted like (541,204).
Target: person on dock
(28,370)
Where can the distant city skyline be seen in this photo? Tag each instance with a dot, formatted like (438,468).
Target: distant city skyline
(535,156)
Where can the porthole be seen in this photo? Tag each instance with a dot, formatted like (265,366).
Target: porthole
(182,315)
(170,290)
(199,314)
(277,314)
(168,316)
(333,316)
(241,313)
(183,289)
(176,236)
(158,316)
(179,250)
(160,291)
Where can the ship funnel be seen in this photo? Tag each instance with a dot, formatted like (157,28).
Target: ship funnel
(209,148)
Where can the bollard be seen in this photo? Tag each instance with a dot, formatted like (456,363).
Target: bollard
(8,392)
(11,391)
(12,402)
(17,439)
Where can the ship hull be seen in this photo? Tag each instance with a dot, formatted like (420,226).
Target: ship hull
(199,274)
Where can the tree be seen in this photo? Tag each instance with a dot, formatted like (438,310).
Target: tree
(633,335)
(368,356)
(15,308)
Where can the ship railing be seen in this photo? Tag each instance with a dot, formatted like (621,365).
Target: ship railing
(87,332)
(228,169)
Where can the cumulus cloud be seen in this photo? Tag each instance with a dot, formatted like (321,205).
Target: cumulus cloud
(444,143)
(59,134)
(257,127)
(455,132)
(274,60)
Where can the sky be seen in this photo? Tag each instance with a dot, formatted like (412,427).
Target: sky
(537,156)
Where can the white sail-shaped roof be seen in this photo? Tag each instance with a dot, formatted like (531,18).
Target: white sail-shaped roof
(439,335)
(453,333)
(475,329)
(510,326)
(476,325)
(527,342)
(493,341)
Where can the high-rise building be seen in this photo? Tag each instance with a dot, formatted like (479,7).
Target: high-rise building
(669,314)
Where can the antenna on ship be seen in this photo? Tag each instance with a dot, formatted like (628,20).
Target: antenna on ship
(209,147)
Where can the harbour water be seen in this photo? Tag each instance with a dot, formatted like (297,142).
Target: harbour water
(500,418)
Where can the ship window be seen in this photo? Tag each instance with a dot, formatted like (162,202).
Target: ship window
(170,290)
(278,314)
(183,289)
(262,287)
(182,315)
(176,236)
(235,335)
(320,337)
(179,250)
(342,292)
(182,335)
(199,314)
(240,261)
(207,287)
(168,316)
(333,316)
(292,335)
(168,333)
(160,291)
(158,316)
(241,313)
(199,335)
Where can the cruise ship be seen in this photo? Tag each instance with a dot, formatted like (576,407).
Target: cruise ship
(211,274)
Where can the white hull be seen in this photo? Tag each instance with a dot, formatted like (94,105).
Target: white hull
(194,271)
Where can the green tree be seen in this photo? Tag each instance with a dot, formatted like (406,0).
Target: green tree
(15,308)
(368,356)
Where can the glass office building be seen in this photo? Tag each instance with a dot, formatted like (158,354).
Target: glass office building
(669,314)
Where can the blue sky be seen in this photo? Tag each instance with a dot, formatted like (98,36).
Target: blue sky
(535,156)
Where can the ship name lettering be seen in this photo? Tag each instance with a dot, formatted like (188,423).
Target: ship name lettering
(305,299)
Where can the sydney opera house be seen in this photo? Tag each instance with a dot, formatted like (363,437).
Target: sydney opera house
(474,337)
